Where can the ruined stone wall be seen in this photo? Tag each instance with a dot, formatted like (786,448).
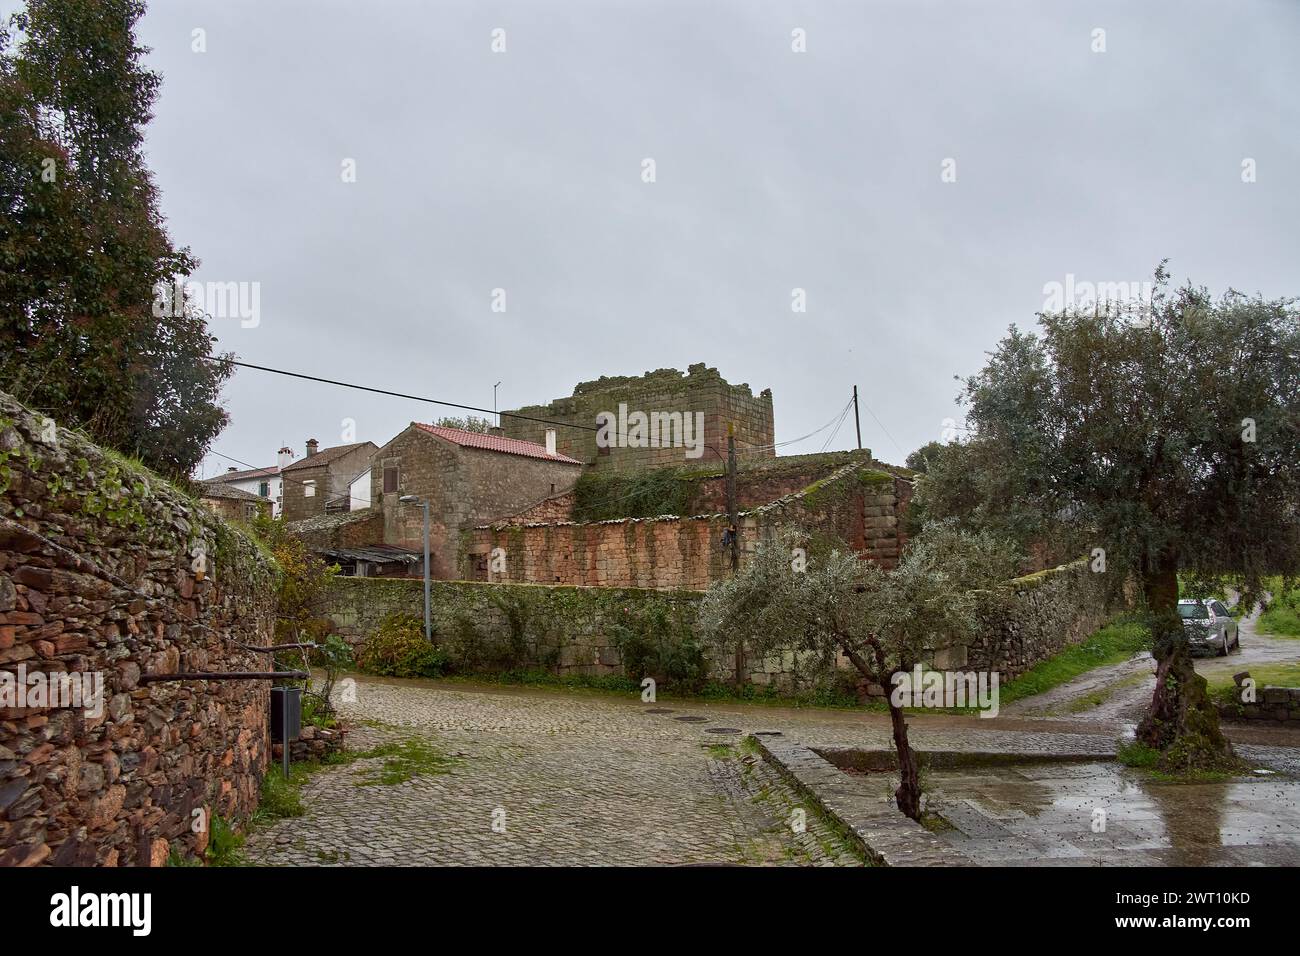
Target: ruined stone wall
(96,558)
(700,389)
(858,504)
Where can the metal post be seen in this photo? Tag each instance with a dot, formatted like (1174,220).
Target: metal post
(428,625)
(284,734)
(857,421)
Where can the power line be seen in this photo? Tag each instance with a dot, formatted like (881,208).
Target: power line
(384,391)
(265,472)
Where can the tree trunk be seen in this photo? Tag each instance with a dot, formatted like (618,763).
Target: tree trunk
(1182,723)
(908,793)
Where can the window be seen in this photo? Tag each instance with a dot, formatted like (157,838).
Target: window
(1220,610)
(390,479)
(1193,612)
(309,489)
(264,489)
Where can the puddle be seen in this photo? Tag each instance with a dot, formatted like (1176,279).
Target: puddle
(1107,814)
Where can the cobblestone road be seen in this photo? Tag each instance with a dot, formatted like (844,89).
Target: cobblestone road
(568,779)
(591,779)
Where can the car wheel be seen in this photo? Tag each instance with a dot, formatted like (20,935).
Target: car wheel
(1225,645)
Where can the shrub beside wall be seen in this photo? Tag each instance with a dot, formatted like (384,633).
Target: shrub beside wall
(95,578)
(497,628)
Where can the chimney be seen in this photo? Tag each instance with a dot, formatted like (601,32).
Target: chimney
(312,445)
(550,441)
(284,457)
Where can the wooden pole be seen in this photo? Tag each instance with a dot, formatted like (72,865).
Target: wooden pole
(856,420)
(733,521)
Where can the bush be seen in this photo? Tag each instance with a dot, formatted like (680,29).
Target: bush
(652,642)
(398,649)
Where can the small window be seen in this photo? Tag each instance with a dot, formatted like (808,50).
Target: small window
(390,479)
(309,489)
(264,489)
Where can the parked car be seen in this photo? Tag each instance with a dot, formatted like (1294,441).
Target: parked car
(1209,626)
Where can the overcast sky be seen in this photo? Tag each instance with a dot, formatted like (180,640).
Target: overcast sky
(775,170)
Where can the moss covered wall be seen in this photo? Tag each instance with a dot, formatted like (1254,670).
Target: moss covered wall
(98,578)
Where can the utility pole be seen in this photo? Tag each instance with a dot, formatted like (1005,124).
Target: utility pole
(733,521)
(856,420)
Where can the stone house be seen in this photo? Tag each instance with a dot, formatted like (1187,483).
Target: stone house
(467,478)
(232,503)
(322,482)
(263,482)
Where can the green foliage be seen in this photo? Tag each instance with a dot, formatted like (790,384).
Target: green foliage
(1281,618)
(1116,642)
(919,460)
(398,649)
(1134,753)
(404,760)
(224,844)
(886,621)
(83,245)
(280,796)
(470,423)
(604,496)
(1169,437)
(654,642)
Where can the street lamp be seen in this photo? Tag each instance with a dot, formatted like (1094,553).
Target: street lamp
(417,500)
(495,413)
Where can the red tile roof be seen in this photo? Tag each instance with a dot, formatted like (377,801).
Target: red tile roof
(270,472)
(510,446)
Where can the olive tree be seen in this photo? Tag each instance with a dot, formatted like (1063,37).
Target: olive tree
(1164,439)
(883,622)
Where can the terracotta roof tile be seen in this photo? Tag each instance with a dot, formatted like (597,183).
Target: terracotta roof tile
(510,446)
(326,455)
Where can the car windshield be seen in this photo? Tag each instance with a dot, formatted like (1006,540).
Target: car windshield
(1193,612)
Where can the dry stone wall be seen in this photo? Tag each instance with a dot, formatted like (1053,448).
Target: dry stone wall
(98,585)
(859,503)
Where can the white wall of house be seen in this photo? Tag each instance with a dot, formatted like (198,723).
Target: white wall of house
(359,491)
(254,487)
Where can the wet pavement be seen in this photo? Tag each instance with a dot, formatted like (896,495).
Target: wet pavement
(1103,814)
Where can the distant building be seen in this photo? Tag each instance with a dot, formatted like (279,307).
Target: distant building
(467,478)
(262,482)
(322,481)
(233,503)
(695,406)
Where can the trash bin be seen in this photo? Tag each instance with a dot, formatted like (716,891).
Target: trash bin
(286,714)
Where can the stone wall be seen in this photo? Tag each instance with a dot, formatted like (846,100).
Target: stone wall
(1032,618)
(97,579)
(700,389)
(859,503)
(592,630)
(501,627)
(1277,705)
